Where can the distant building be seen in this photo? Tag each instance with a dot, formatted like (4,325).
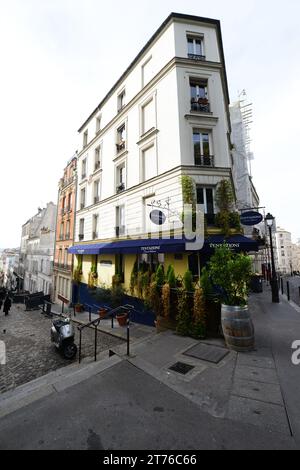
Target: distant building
(65,225)
(296,256)
(284,250)
(37,250)
(9,259)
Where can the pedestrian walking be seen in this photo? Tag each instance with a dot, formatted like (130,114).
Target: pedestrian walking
(1,303)
(7,305)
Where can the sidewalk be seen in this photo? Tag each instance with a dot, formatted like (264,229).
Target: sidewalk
(260,388)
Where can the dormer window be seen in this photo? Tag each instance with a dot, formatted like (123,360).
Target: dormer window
(195,47)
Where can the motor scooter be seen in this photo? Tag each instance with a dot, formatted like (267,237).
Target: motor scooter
(63,335)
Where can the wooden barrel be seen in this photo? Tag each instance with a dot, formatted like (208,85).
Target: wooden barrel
(238,328)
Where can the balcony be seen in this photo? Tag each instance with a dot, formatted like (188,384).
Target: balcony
(196,57)
(95,235)
(120,187)
(121,146)
(200,105)
(96,199)
(67,236)
(120,231)
(82,205)
(63,266)
(61,237)
(62,211)
(205,160)
(83,176)
(81,236)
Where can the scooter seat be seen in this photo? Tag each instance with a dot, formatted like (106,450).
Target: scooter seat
(58,324)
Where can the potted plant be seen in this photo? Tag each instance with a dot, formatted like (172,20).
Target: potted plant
(230,275)
(102,312)
(122,318)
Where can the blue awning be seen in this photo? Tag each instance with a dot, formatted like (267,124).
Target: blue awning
(237,243)
(138,246)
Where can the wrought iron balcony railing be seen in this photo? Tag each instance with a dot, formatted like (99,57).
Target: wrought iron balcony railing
(205,160)
(200,105)
(196,57)
(120,230)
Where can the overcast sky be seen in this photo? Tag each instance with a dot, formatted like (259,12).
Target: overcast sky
(60,57)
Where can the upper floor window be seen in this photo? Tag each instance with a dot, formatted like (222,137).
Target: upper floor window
(121,138)
(121,178)
(83,168)
(195,47)
(82,198)
(85,138)
(95,226)
(199,95)
(98,124)
(62,230)
(120,221)
(68,230)
(147,73)
(148,116)
(202,148)
(81,229)
(205,198)
(97,158)
(70,202)
(96,191)
(148,163)
(121,100)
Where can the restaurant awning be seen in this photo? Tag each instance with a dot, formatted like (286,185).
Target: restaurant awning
(237,243)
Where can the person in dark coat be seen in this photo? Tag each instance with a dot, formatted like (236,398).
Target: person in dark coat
(7,305)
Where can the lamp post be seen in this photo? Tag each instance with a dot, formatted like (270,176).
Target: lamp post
(274,283)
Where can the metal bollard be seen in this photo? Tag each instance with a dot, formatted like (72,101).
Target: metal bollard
(288,290)
(282,286)
(128,338)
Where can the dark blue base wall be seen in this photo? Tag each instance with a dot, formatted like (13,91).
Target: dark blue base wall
(140,314)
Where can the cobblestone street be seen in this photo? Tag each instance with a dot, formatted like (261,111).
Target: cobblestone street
(30,353)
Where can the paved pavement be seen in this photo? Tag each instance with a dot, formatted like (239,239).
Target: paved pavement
(246,401)
(30,353)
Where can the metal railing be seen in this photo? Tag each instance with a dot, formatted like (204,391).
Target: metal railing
(205,160)
(111,313)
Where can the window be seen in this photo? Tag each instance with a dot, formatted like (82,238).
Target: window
(120,266)
(205,198)
(199,95)
(152,260)
(70,202)
(63,206)
(147,72)
(98,124)
(82,198)
(83,169)
(120,220)
(195,48)
(96,191)
(121,138)
(61,235)
(85,138)
(121,100)
(121,178)
(95,226)
(148,116)
(60,256)
(202,148)
(68,230)
(97,158)
(81,229)
(148,163)
(66,257)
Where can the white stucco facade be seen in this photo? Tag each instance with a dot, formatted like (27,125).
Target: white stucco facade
(144,162)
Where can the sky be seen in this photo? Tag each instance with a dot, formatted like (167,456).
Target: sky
(60,57)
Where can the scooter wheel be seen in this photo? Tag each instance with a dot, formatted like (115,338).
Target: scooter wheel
(70,351)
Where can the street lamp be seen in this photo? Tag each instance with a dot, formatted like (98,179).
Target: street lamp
(274,283)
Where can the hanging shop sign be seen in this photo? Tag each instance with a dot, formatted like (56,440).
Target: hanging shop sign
(251,218)
(157,217)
